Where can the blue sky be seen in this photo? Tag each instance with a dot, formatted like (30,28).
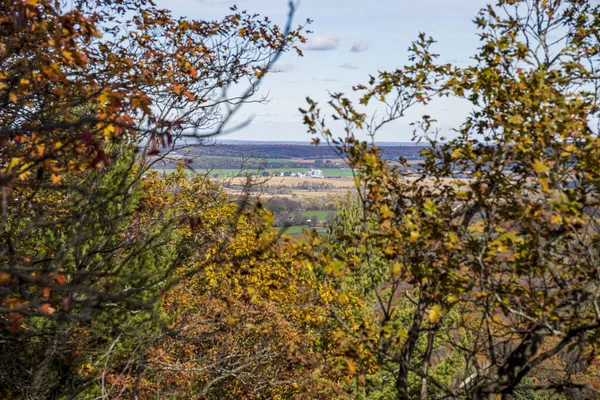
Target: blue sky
(351,39)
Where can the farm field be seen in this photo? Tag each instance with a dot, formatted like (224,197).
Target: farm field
(322,215)
(293,181)
(327,172)
(205,157)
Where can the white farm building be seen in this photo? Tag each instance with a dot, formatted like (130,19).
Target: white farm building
(314,173)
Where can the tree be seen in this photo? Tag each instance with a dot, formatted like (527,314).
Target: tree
(244,320)
(82,270)
(74,76)
(90,91)
(520,296)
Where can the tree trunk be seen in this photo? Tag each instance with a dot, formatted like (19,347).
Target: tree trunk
(504,378)
(426,362)
(40,384)
(407,353)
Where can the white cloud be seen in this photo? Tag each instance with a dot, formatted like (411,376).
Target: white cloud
(232,2)
(322,43)
(281,67)
(347,65)
(359,46)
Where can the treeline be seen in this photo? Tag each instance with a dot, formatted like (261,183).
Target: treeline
(288,212)
(263,187)
(254,165)
(286,151)
(242,164)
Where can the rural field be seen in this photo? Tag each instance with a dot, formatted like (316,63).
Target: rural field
(233,172)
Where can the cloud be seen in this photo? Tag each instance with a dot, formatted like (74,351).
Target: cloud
(359,46)
(281,68)
(219,1)
(347,65)
(322,43)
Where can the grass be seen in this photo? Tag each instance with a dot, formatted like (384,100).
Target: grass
(322,215)
(296,230)
(292,230)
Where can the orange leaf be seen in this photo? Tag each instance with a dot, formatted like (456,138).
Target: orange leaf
(56,179)
(15,320)
(189,95)
(60,279)
(4,278)
(45,308)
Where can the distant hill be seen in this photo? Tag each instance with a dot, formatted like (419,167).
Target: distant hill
(280,150)
(296,143)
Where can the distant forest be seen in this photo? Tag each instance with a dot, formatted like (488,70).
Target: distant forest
(285,151)
(271,156)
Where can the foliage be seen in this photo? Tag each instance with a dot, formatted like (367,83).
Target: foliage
(244,319)
(75,75)
(89,90)
(519,291)
(83,269)
(118,282)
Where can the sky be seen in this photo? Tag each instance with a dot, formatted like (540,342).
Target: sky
(351,40)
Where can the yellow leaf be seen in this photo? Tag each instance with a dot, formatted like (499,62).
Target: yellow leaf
(352,367)
(414,236)
(386,212)
(539,167)
(516,119)
(453,238)
(14,163)
(429,207)
(435,313)
(12,97)
(103,98)
(108,130)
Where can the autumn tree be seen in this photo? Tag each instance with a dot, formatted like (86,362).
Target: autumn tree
(243,321)
(499,270)
(89,90)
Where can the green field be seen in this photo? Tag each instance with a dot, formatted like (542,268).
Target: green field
(296,230)
(322,215)
(291,230)
(233,172)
